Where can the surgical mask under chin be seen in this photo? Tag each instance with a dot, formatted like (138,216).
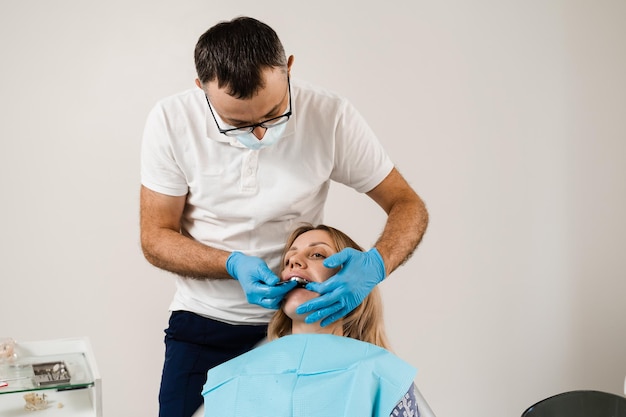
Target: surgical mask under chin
(272,135)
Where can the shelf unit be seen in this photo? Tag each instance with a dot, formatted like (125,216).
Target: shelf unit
(81,396)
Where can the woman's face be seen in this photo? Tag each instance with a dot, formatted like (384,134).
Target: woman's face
(305,260)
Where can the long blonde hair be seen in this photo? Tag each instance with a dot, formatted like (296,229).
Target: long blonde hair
(364,323)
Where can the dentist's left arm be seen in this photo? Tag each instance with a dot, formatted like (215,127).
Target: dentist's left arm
(407,219)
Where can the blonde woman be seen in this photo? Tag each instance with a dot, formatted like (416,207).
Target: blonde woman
(343,369)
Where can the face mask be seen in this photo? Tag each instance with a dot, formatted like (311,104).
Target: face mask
(271,136)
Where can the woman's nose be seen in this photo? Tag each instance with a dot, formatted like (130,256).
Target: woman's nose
(295,262)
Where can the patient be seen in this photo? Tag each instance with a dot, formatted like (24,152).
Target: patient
(343,369)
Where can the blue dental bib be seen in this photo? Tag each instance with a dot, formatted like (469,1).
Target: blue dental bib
(308,375)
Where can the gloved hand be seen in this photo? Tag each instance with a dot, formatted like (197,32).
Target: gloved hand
(257,280)
(342,293)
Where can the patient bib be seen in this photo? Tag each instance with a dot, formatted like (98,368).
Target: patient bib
(308,375)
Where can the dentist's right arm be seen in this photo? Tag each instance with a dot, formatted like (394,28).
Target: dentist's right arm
(165,247)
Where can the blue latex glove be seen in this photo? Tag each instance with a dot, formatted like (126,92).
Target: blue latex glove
(342,293)
(257,280)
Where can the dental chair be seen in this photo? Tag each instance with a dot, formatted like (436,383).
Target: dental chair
(579,404)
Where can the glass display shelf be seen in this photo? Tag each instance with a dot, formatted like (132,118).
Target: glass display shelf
(59,372)
(61,376)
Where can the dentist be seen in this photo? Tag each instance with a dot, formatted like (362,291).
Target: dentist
(227,170)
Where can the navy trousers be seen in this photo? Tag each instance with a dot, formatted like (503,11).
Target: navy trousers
(193,345)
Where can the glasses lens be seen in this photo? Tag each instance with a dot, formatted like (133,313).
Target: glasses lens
(275,122)
(237,132)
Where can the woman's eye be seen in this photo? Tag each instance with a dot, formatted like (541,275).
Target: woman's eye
(317,255)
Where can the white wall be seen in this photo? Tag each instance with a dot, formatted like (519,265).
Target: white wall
(506,116)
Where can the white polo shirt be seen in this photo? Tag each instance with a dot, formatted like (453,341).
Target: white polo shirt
(250,200)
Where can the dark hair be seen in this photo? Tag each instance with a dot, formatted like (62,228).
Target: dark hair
(236,52)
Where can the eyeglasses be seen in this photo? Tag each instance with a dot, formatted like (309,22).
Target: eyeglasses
(267,124)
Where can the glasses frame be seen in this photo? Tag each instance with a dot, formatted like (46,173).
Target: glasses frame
(235,131)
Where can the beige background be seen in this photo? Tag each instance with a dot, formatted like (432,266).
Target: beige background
(506,116)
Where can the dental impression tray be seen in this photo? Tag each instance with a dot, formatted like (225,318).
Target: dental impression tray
(301,282)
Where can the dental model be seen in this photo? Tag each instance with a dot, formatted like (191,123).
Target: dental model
(35,402)
(7,350)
